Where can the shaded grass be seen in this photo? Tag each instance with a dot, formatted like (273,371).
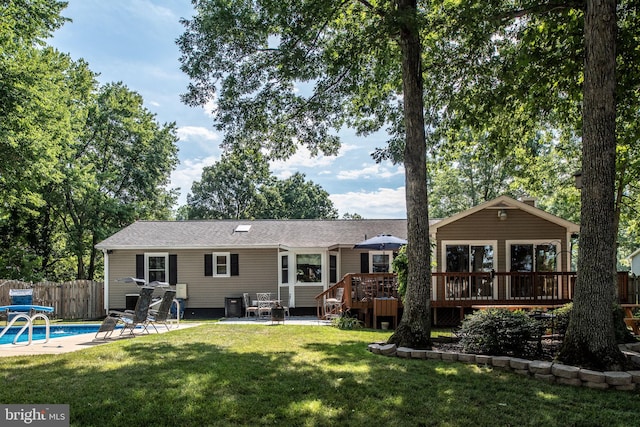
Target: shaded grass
(219,374)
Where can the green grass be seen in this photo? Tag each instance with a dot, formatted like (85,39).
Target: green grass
(218,374)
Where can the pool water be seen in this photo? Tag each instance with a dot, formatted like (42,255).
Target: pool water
(55,331)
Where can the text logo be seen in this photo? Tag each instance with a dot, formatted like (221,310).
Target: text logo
(34,415)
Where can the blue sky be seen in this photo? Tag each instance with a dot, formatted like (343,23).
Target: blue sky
(133,41)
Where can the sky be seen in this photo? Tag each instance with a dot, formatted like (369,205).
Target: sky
(133,41)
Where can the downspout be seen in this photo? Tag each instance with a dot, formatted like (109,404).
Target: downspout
(106,280)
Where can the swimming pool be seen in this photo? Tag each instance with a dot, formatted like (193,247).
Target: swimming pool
(55,331)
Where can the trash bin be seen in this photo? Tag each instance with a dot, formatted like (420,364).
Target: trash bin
(233,307)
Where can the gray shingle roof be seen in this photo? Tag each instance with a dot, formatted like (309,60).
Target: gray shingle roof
(263,233)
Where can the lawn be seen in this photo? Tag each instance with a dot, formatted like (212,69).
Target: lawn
(219,375)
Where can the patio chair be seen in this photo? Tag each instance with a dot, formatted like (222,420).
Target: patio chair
(129,318)
(161,315)
(248,308)
(21,296)
(22,302)
(333,306)
(264,303)
(107,327)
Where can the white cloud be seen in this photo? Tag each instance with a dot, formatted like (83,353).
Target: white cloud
(370,171)
(187,172)
(187,133)
(302,159)
(150,12)
(382,203)
(210,107)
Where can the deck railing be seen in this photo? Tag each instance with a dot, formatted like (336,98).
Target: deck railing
(544,288)
(468,289)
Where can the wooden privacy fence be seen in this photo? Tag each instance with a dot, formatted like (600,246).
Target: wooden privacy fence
(79,299)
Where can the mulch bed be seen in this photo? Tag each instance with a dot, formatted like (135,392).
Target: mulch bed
(546,350)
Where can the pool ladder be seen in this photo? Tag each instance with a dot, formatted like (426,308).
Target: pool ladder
(29,325)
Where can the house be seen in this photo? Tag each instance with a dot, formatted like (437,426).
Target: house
(219,259)
(635,262)
(500,251)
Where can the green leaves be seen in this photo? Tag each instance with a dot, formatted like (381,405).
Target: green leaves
(79,162)
(240,186)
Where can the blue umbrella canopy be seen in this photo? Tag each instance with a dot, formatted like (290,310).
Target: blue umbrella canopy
(382,242)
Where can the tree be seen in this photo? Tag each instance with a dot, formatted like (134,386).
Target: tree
(585,345)
(294,197)
(229,188)
(79,162)
(359,57)
(116,172)
(35,113)
(526,63)
(32,117)
(241,187)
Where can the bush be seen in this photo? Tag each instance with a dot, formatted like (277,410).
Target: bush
(561,318)
(400,267)
(346,322)
(623,335)
(499,332)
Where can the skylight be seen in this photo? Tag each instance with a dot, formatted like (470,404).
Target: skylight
(242,228)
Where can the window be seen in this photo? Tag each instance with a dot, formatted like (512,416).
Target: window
(333,268)
(469,258)
(309,268)
(528,258)
(284,268)
(156,267)
(380,262)
(221,265)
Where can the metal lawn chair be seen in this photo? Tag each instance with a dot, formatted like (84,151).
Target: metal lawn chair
(161,315)
(248,308)
(130,319)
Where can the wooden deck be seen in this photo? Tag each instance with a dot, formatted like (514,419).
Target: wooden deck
(455,294)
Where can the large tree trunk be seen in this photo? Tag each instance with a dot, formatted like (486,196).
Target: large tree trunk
(414,329)
(590,340)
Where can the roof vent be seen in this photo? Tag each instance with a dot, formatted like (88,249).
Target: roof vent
(242,228)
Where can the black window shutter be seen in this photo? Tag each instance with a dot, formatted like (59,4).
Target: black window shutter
(140,266)
(208,264)
(364,262)
(235,266)
(173,269)
(333,268)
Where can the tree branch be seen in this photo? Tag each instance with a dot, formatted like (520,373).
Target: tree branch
(541,9)
(368,5)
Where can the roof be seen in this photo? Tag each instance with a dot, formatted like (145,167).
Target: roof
(636,252)
(508,203)
(291,233)
(213,234)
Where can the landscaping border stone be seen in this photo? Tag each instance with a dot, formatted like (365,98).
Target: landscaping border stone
(550,372)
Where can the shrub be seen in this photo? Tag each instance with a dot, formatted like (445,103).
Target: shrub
(346,322)
(499,332)
(400,266)
(561,318)
(623,335)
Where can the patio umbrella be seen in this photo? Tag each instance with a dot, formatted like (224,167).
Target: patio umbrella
(382,242)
